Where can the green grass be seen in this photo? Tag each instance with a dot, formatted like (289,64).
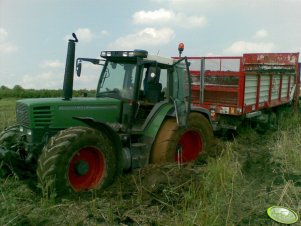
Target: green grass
(7,112)
(253,172)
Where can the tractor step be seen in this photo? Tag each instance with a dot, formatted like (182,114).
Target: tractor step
(140,155)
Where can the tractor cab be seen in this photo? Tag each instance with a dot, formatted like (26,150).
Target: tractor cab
(143,83)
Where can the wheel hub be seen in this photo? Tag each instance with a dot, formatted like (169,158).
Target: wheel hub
(81,168)
(86,169)
(189,146)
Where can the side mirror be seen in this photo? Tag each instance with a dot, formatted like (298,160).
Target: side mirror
(78,67)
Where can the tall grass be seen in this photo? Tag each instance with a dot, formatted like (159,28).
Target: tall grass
(286,147)
(252,173)
(286,153)
(213,194)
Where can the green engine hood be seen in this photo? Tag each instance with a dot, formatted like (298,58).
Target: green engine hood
(57,113)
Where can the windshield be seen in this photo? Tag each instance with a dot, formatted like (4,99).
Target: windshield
(117,80)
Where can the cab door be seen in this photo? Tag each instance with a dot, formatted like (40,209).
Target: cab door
(181,90)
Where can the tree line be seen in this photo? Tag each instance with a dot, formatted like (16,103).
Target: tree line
(19,92)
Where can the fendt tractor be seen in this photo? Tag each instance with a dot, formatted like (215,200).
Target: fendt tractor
(141,114)
(147,109)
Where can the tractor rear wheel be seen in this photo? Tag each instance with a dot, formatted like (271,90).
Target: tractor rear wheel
(75,160)
(174,144)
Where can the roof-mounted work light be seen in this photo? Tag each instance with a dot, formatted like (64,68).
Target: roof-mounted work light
(122,54)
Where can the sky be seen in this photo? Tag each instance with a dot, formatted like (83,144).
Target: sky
(34,33)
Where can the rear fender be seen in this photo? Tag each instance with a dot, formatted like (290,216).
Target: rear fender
(203,111)
(155,123)
(111,134)
(168,110)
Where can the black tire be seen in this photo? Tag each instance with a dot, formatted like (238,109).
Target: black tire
(76,160)
(198,140)
(9,138)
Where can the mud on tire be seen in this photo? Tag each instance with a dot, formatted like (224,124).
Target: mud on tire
(196,140)
(75,160)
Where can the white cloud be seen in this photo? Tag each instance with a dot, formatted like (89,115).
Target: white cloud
(146,37)
(5,45)
(88,81)
(3,34)
(104,33)
(45,80)
(83,35)
(262,33)
(152,17)
(210,54)
(163,16)
(52,64)
(86,35)
(53,78)
(196,6)
(189,21)
(240,47)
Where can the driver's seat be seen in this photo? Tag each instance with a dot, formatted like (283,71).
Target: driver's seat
(153,92)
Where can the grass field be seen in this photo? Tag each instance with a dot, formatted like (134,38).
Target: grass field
(252,173)
(7,112)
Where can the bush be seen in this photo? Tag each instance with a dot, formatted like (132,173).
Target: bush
(19,92)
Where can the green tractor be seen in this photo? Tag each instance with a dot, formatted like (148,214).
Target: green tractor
(141,114)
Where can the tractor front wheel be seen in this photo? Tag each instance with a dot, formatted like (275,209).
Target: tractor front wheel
(77,159)
(9,138)
(175,144)
(9,152)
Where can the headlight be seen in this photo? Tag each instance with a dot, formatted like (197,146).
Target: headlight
(28,132)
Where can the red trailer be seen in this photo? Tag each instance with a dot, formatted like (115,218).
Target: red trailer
(255,85)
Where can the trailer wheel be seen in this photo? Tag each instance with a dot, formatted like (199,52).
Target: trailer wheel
(75,160)
(174,144)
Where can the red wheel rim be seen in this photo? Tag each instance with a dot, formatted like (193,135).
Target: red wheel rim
(86,168)
(189,146)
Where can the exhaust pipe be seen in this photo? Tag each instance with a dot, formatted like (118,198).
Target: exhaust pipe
(69,69)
